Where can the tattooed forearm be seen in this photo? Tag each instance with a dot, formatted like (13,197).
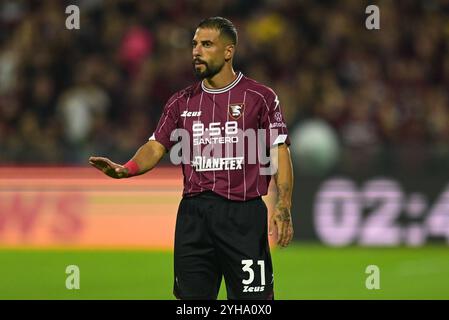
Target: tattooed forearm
(283,203)
(284,191)
(284,178)
(283,213)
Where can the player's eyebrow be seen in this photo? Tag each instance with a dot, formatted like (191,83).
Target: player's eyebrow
(203,42)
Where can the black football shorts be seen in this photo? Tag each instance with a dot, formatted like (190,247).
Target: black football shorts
(216,237)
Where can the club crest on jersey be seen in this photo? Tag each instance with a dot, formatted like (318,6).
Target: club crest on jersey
(236,110)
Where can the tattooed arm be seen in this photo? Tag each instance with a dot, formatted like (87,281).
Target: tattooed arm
(281,217)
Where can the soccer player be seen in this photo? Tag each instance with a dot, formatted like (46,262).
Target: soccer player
(221,226)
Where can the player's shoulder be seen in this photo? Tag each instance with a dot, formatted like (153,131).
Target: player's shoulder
(186,92)
(259,88)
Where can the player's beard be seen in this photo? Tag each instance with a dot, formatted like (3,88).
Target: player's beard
(208,72)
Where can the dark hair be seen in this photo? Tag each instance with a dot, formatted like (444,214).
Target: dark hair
(223,25)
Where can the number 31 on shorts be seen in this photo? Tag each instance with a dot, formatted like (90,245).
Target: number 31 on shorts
(247,267)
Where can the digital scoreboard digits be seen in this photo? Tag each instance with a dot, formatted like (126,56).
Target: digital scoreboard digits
(378,213)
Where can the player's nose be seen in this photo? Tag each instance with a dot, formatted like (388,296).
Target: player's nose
(196,56)
(196,52)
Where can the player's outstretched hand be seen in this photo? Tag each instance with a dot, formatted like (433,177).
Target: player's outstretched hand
(281,220)
(108,167)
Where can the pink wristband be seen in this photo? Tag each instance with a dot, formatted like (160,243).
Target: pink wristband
(132,167)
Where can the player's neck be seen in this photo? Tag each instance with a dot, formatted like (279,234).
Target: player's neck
(221,79)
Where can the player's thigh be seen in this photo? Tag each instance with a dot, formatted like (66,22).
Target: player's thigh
(197,274)
(245,258)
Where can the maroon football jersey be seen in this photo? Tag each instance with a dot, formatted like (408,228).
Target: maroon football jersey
(224,136)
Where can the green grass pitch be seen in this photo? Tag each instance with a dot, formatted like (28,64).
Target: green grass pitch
(302,271)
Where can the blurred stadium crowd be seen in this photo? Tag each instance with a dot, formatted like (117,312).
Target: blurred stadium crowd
(67,94)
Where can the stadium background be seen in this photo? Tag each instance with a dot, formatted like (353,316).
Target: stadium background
(367,112)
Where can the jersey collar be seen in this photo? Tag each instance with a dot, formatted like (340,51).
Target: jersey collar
(224,89)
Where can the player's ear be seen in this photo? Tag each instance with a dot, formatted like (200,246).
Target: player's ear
(229,52)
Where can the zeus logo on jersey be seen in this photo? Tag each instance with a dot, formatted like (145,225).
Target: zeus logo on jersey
(186,114)
(213,164)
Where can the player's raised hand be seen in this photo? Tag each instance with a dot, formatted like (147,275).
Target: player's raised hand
(108,167)
(281,219)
